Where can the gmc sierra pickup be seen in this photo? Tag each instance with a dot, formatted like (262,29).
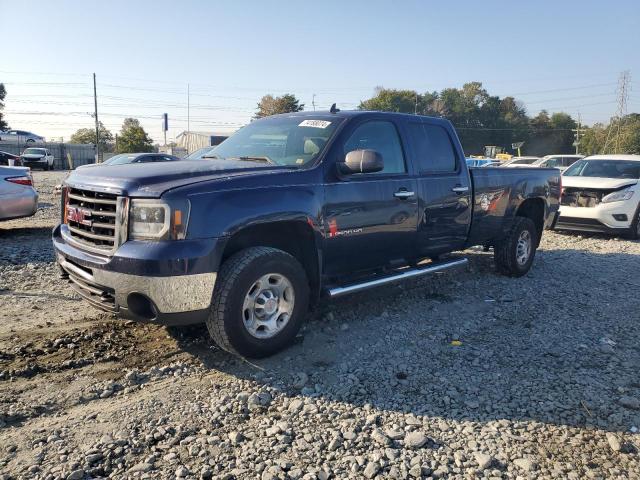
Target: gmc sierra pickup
(290,209)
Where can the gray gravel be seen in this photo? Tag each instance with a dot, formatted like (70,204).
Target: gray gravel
(541,382)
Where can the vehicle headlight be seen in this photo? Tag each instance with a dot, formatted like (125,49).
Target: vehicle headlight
(149,220)
(618,196)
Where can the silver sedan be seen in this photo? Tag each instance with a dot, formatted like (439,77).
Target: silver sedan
(18,197)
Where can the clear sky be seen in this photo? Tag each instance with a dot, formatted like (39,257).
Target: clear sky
(557,55)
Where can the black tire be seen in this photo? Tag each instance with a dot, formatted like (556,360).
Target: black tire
(506,253)
(634,231)
(226,321)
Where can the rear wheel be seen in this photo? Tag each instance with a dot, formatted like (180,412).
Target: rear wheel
(259,302)
(514,255)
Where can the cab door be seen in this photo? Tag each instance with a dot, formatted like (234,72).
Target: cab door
(370,218)
(444,187)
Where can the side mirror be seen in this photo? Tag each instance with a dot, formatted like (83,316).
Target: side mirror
(361,161)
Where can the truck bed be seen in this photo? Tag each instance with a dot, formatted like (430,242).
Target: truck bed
(498,191)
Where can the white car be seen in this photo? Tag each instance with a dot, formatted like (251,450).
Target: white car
(20,137)
(38,158)
(601,194)
(561,162)
(519,162)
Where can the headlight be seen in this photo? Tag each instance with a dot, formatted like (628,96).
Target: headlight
(618,196)
(149,220)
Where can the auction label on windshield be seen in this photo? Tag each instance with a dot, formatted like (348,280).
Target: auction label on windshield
(315,123)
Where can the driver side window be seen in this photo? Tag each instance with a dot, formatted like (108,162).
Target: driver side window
(381,136)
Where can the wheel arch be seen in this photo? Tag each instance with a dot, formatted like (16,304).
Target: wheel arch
(296,237)
(533,209)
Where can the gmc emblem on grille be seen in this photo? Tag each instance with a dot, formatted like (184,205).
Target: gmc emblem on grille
(79,215)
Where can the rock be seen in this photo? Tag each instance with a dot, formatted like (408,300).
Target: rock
(76,475)
(380,438)
(525,464)
(301,380)
(415,440)
(371,469)
(182,471)
(93,458)
(236,437)
(416,471)
(394,434)
(614,442)
(295,405)
(483,460)
(630,402)
(141,467)
(335,444)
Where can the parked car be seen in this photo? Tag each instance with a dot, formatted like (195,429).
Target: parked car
(482,162)
(38,158)
(518,162)
(601,194)
(200,153)
(20,137)
(557,161)
(18,197)
(294,207)
(131,158)
(6,157)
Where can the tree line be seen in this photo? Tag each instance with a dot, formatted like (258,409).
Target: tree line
(481,119)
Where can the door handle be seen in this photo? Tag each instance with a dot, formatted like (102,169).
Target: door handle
(460,189)
(403,194)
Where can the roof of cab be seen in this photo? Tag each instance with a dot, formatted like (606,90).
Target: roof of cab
(614,157)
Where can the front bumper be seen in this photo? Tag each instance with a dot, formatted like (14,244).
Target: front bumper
(615,217)
(169,283)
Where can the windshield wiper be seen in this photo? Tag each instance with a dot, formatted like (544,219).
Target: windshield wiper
(212,156)
(255,159)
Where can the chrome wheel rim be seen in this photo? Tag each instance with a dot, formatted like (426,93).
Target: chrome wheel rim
(523,248)
(268,305)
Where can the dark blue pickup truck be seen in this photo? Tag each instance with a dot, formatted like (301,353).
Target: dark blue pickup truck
(290,209)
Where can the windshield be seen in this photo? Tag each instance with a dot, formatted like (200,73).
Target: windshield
(121,159)
(198,154)
(33,151)
(604,169)
(294,140)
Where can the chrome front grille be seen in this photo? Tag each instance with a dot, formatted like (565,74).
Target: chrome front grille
(95,220)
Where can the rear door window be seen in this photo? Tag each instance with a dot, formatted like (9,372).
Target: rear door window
(433,148)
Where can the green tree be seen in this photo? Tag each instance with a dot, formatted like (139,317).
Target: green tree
(270,105)
(403,101)
(88,135)
(619,136)
(133,138)
(3,93)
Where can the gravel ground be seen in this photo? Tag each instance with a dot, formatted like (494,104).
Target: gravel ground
(465,375)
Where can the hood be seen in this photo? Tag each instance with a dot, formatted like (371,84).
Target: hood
(151,180)
(597,182)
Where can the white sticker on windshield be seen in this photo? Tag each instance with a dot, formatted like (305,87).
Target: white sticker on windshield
(315,123)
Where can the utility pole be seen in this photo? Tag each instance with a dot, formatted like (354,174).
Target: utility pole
(313,102)
(95,114)
(188,108)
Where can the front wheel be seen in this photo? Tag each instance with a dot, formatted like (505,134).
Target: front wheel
(515,253)
(259,302)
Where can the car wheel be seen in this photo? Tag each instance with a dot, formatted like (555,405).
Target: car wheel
(259,302)
(634,231)
(515,253)
(30,140)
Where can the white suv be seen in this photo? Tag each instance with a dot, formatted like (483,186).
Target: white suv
(601,194)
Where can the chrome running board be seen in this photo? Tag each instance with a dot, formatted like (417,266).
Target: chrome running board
(403,275)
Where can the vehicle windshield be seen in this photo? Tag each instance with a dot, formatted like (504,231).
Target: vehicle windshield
(200,153)
(121,159)
(523,161)
(34,151)
(294,140)
(604,169)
